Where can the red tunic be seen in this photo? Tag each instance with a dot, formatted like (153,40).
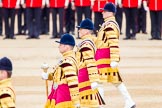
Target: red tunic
(98,4)
(130,3)
(57,3)
(34,3)
(82,2)
(155,5)
(113,1)
(9,3)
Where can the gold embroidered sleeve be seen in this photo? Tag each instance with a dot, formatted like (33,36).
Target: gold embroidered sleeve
(55,75)
(88,57)
(70,71)
(7,98)
(112,35)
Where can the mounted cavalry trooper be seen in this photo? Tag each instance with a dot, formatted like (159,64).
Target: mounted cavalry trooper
(107,54)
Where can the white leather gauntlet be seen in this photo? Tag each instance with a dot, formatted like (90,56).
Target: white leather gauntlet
(77,105)
(114,64)
(44,75)
(145,6)
(94,85)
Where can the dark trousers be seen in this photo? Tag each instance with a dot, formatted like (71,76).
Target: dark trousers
(131,19)
(21,14)
(1,19)
(141,23)
(60,11)
(119,16)
(45,20)
(156,18)
(33,21)
(98,20)
(70,19)
(9,20)
(86,11)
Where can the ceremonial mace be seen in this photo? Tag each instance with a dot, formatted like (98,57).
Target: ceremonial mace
(45,68)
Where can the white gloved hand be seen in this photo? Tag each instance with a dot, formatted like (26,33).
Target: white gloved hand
(55,85)
(114,64)
(77,105)
(94,85)
(120,3)
(66,4)
(72,6)
(44,75)
(145,6)
(92,3)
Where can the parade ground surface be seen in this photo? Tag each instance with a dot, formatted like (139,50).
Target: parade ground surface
(140,68)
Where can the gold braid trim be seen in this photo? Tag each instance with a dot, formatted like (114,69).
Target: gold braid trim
(84,84)
(110,75)
(103,61)
(90,100)
(67,104)
(51,104)
(86,92)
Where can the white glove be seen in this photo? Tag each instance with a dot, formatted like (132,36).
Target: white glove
(72,5)
(145,6)
(77,105)
(44,75)
(66,4)
(120,3)
(55,85)
(139,3)
(94,85)
(114,64)
(92,3)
